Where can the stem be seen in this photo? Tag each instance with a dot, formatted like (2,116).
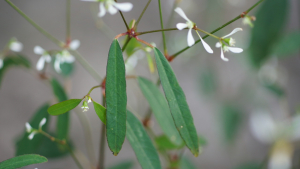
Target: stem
(162,27)
(144,42)
(126,43)
(216,30)
(93,89)
(68,16)
(44,32)
(197,29)
(140,17)
(160,30)
(127,27)
(102,141)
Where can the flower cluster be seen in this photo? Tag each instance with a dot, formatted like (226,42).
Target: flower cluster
(33,131)
(85,106)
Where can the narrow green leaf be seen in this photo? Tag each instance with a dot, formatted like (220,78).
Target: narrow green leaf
(163,143)
(177,102)
(271,19)
(26,146)
(141,143)
(123,165)
(62,124)
(161,110)
(230,119)
(116,98)
(63,107)
(287,45)
(10,61)
(100,111)
(21,161)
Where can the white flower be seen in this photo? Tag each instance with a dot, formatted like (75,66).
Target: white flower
(248,20)
(30,130)
(190,25)
(85,106)
(44,58)
(31,135)
(64,56)
(43,122)
(15,45)
(112,7)
(228,43)
(28,127)
(89,99)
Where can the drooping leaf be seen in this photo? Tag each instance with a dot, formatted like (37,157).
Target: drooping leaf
(21,161)
(271,19)
(123,165)
(185,163)
(63,107)
(141,143)
(10,61)
(230,121)
(116,98)
(161,110)
(100,111)
(164,143)
(177,102)
(26,146)
(62,124)
(249,166)
(287,45)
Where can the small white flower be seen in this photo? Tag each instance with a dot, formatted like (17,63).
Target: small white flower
(28,127)
(44,58)
(228,43)
(65,56)
(190,25)
(15,45)
(111,6)
(89,99)
(43,122)
(85,106)
(31,135)
(248,20)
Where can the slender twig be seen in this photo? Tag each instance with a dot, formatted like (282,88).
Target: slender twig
(140,17)
(126,43)
(162,27)
(159,30)
(102,141)
(68,17)
(127,27)
(93,89)
(221,27)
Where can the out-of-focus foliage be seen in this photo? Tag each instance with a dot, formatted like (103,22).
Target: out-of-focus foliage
(287,45)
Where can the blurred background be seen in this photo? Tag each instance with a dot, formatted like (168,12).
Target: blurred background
(221,95)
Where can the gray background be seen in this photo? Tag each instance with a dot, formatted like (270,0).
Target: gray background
(22,92)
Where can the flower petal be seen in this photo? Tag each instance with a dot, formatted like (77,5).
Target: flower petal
(69,59)
(43,121)
(182,14)
(223,57)
(190,38)
(235,50)
(280,160)
(74,44)
(47,58)
(181,26)
(233,32)
(205,45)
(125,7)
(40,64)
(28,127)
(101,9)
(38,50)
(112,10)
(57,65)
(31,135)
(218,45)
(16,46)
(1,63)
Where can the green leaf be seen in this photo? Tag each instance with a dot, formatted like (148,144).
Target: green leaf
(62,124)
(275,89)
(177,102)
(161,110)
(163,143)
(123,165)
(230,119)
(116,98)
(26,146)
(21,161)
(287,45)
(67,69)
(10,61)
(141,143)
(63,107)
(249,166)
(100,111)
(271,19)
(132,46)
(186,163)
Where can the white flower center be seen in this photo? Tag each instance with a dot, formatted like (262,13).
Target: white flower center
(109,3)
(232,42)
(190,24)
(225,48)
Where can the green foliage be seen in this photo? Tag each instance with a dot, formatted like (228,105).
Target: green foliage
(275,89)
(123,165)
(164,143)
(249,166)
(141,143)
(62,124)
(63,107)
(271,19)
(231,118)
(14,60)
(161,110)
(116,98)
(177,102)
(26,146)
(22,161)
(100,111)
(287,45)
(132,47)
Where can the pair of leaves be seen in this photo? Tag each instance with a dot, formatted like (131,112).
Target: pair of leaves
(22,161)
(10,61)
(270,22)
